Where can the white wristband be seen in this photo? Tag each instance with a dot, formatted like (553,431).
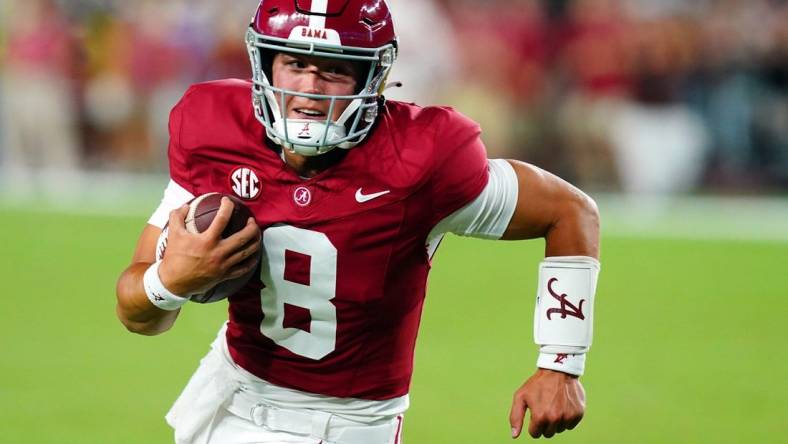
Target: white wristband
(563,362)
(157,293)
(563,319)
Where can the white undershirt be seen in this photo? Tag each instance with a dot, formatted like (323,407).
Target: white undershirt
(174,197)
(488,216)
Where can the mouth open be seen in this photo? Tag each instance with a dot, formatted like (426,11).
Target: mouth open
(308,114)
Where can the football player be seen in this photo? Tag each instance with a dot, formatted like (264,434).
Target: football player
(351,195)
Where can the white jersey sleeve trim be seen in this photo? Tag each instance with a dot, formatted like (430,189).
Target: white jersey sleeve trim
(174,196)
(488,216)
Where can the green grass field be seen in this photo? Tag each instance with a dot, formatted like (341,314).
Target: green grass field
(689,340)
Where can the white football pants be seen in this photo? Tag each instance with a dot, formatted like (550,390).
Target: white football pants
(220,405)
(229,428)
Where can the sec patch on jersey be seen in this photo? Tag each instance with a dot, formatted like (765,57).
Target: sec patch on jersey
(202,211)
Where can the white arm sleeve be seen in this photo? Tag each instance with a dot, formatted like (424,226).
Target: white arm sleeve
(488,216)
(174,196)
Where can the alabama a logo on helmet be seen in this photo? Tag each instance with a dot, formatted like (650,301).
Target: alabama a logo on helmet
(306,131)
(245,183)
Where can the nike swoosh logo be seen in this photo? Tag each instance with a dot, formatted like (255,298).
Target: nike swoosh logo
(361,197)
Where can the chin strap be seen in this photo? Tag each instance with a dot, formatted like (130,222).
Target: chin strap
(311,131)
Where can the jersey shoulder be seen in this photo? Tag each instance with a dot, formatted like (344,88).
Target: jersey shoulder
(214,113)
(213,124)
(418,140)
(217,95)
(217,89)
(434,153)
(438,127)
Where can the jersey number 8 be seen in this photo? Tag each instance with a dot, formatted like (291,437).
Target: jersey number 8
(299,270)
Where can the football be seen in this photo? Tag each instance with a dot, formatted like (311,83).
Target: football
(202,211)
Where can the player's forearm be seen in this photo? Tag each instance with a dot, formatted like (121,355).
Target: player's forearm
(549,207)
(575,230)
(134,309)
(567,285)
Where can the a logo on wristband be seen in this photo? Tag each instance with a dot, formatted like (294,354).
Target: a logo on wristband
(567,308)
(158,297)
(559,358)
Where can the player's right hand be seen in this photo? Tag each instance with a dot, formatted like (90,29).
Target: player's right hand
(195,262)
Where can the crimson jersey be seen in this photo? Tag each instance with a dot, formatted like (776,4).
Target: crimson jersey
(336,307)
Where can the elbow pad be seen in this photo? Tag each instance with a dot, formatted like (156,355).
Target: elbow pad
(563,319)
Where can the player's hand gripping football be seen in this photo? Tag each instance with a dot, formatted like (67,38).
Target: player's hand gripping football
(195,263)
(557,402)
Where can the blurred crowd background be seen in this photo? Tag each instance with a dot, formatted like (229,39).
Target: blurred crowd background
(635,96)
